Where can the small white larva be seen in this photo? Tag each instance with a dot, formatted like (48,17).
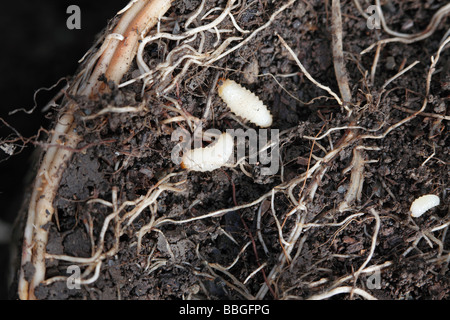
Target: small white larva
(244,103)
(211,157)
(423,204)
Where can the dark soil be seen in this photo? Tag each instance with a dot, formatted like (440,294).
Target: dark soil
(133,152)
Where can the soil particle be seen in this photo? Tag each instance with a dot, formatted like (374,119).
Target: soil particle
(29,270)
(57,291)
(77,244)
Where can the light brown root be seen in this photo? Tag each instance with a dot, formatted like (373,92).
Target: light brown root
(112,109)
(354,190)
(423,114)
(307,74)
(338,55)
(114,61)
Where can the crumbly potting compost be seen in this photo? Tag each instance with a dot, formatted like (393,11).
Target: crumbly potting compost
(363,131)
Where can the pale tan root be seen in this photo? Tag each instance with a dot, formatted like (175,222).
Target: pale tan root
(338,54)
(141,16)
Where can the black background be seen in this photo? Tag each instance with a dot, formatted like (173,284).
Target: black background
(37,49)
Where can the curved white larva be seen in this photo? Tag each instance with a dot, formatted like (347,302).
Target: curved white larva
(211,157)
(244,103)
(423,204)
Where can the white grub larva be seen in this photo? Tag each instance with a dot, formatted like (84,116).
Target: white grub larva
(244,103)
(423,204)
(211,157)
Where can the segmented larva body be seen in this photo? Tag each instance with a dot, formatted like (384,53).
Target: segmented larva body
(211,157)
(423,204)
(244,103)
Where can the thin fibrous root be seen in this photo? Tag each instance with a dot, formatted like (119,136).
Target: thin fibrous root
(184,53)
(341,290)
(434,61)
(307,74)
(120,227)
(112,109)
(408,39)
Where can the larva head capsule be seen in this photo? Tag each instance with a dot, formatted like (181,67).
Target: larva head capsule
(220,82)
